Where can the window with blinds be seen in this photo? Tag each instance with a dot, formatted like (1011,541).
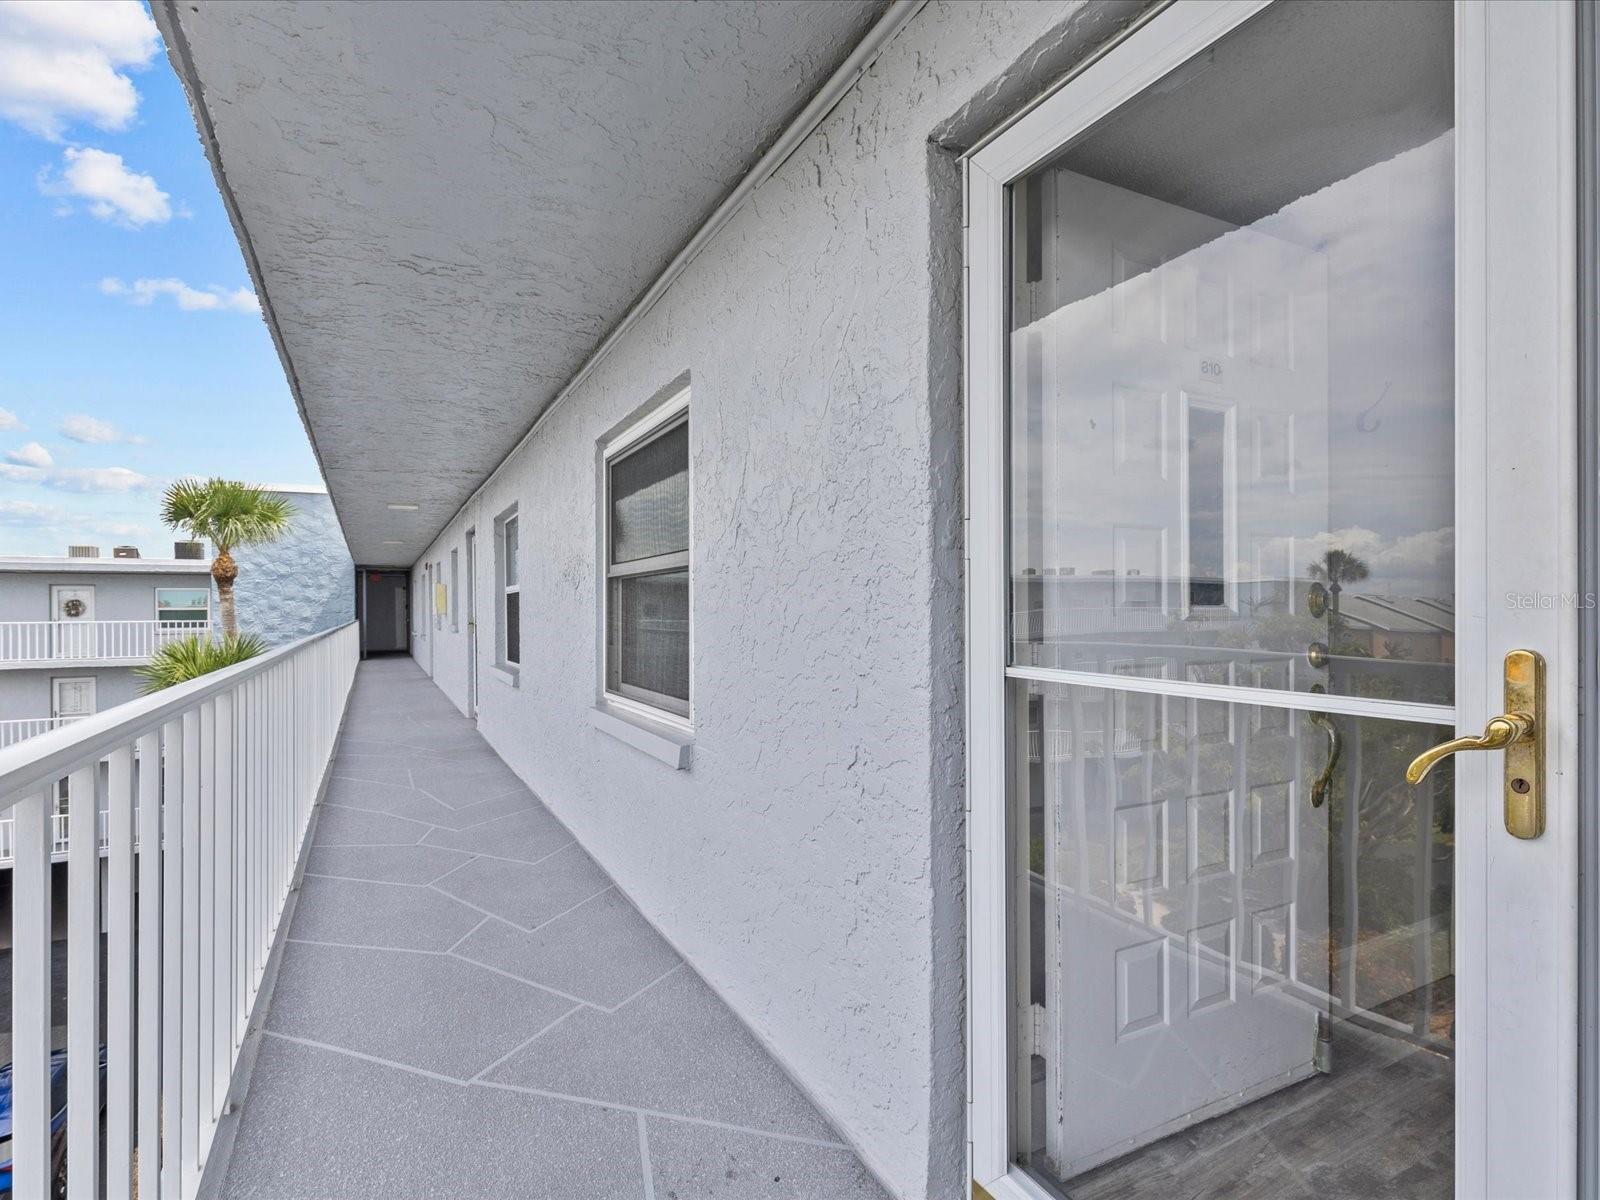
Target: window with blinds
(647,565)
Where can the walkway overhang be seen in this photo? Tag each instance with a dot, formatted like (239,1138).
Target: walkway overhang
(447,206)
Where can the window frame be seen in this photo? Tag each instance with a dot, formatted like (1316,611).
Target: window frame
(157,601)
(666,418)
(505,588)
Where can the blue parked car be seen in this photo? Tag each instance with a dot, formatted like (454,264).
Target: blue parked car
(58,1120)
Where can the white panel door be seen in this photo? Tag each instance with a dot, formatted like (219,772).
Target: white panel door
(72,611)
(72,697)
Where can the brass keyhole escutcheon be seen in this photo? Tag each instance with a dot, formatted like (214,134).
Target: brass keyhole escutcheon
(1519,731)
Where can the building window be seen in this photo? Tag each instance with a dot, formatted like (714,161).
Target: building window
(455,587)
(175,605)
(647,562)
(508,613)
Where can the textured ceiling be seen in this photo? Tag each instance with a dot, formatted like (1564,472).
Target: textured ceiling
(1310,94)
(448,205)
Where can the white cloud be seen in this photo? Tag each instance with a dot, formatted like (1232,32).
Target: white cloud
(113,191)
(31,455)
(124,529)
(98,479)
(10,420)
(27,514)
(82,428)
(213,299)
(79,479)
(61,63)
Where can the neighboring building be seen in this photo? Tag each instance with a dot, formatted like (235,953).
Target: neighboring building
(728,376)
(302,583)
(72,630)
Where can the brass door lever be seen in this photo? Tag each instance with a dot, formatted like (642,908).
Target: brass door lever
(1519,731)
(1499,733)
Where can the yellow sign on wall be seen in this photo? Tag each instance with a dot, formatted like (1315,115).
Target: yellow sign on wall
(441,601)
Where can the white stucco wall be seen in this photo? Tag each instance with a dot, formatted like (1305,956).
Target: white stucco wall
(301,584)
(25,692)
(808,864)
(119,595)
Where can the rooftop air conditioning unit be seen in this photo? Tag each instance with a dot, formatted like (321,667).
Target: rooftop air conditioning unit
(125,552)
(83,551)
(188,549)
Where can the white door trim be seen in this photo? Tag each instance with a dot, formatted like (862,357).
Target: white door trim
(1516,429)
(55,694)
(1519,159)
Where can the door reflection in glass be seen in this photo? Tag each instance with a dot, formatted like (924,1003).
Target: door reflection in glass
(1231,377)
(1202,948)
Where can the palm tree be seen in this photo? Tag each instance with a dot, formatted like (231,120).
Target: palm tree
(187,658)
(226,514)
(1339,567)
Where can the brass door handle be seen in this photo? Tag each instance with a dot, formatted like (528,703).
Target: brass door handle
(1324,779)
(1519,731)
(1499,733)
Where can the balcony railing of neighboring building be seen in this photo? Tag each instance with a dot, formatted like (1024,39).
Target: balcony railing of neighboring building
(227,768)
(58,836)
(89,641)
(27,727)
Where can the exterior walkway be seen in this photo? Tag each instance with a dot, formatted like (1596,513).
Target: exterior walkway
(467,1006)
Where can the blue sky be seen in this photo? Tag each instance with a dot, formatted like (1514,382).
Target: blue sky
(131,348)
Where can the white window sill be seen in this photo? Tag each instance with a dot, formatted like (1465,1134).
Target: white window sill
(506,675)
(674,747)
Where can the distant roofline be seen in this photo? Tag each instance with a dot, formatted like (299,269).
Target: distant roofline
(85,566)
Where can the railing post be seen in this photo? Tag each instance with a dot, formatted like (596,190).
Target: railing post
(119,972)
(151,902)
(206,903)
(189,992)
(222,902)
(83,980)
(30,995)
(174,970)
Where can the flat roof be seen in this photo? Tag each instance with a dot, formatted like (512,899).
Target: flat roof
(56,564)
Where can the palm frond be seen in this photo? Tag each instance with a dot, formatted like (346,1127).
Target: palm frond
(225,512)
(183,659)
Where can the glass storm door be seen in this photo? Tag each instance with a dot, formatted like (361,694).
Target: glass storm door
(1269,469)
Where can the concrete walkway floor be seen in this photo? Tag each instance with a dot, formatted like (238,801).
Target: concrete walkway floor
(467,1006)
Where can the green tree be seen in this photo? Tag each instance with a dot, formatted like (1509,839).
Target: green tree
(227,514)
(1339,567)
(187,658)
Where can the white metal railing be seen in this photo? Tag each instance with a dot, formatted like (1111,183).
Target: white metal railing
(59,827)
(27,727)
(76,641)
(227,768)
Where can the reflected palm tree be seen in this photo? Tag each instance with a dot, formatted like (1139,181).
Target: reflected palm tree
(1337,568)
